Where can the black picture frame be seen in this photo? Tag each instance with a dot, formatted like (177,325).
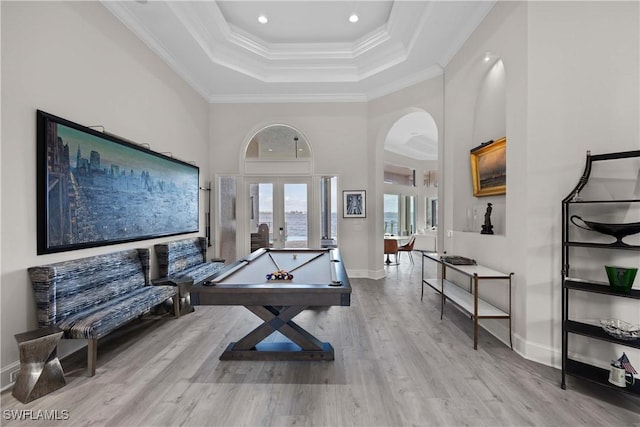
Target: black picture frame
(354,204)
(96,189)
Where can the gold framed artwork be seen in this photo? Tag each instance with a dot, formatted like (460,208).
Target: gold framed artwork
(489,168)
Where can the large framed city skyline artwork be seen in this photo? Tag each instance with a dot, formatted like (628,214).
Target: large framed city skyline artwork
(95,189)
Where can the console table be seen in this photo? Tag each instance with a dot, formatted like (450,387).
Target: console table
(467,299)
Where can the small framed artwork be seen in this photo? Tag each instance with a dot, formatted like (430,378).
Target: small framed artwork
(489,168)
(354,204)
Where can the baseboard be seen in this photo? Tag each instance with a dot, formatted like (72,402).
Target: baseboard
(5,374)
(543,354)
(535,352)
(359,274)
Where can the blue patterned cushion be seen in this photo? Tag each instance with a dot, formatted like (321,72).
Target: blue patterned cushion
(176,256)
(89,297)
(199,273)
(104,318)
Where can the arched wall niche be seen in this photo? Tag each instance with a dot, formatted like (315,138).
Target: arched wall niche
(490,118)
(489,123)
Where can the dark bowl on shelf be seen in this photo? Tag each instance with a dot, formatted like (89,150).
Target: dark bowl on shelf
(621,278)
(616,230)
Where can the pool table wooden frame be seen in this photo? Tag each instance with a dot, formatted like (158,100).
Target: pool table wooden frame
(278,302)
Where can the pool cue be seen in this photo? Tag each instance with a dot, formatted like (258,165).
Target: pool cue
(306,262)
(274,261)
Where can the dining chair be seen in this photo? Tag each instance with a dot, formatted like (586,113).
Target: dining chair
(407,247)
(391,248)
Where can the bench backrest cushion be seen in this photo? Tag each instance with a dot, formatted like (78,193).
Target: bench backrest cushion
(179,255)
(65,288)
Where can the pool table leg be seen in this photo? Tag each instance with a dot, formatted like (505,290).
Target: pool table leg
(249,347)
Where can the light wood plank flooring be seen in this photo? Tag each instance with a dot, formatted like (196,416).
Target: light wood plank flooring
(397,364)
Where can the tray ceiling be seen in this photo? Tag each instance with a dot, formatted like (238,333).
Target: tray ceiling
(308,51)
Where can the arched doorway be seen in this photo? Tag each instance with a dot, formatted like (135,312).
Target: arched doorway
(278,158)
(411,178)
(269,204)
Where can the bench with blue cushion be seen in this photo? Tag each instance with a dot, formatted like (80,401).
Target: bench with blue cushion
(88,298)
(186,259)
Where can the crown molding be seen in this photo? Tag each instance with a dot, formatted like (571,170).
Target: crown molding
(406,82)
(396,86)
(297,62)
(287,98)
(129,20)
(195,40)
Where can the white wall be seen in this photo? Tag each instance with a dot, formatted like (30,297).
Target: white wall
(572,73)
(75,60)
(584,94)
(336,133)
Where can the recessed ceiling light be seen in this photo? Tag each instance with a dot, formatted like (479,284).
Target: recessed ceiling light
(354,18)
(262,19)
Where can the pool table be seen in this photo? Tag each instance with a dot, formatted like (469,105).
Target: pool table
(300,278)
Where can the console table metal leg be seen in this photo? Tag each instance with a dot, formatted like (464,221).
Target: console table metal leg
(443,276)
(475,311)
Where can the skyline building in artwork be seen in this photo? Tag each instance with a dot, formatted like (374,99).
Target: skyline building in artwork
(92,199)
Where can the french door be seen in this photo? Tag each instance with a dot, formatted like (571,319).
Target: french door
(279,212)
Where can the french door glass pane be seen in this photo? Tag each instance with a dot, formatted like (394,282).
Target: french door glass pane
(296,216)
(391,213)
(261,215)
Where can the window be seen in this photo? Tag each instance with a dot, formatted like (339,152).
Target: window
(391,213)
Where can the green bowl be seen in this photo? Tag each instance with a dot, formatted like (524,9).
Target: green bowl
(621,278)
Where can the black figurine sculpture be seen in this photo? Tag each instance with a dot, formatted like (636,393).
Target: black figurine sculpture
(487,228)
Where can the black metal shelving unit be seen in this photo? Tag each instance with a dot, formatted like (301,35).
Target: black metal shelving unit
(571,366)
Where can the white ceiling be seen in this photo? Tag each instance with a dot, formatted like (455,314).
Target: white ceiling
(308,51)
(414,135)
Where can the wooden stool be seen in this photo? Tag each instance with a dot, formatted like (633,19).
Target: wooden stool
(40,370)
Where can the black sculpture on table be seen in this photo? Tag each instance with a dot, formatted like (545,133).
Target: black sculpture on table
(487,228)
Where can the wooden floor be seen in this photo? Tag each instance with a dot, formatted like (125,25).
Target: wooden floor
(397,364)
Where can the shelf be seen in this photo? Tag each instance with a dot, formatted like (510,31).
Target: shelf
(464,300)
(433,283)
(597,375)
(589,328)
(603,246)
(477,270)
(597,288)
(594,331)
(587,202)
